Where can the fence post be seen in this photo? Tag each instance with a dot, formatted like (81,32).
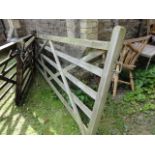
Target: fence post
(19,80)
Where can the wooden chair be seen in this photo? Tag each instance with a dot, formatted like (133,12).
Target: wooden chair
(129,55)
(152,29)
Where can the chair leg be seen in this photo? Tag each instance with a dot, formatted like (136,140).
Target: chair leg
(115,84)
(131,81)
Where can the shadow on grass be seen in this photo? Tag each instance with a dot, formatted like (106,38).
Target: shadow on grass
(41,114)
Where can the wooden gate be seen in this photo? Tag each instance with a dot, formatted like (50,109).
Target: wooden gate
(16,70)
(58,77)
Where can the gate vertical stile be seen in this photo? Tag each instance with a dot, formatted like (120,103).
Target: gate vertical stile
(112,57)
(25,68)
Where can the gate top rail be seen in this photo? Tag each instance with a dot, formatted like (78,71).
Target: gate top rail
(102,45)
(10,44)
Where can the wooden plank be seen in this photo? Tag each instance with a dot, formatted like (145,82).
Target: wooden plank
(103,45)
(112,56)
(81,85)
(27,81)
(51,62)
(137,39)
(42,47)
(26,74)
(86,58)
(57,92)
(29,42)
(91,68)
(14,42)
(81,105)
(7,45)
(77,82)
(68,91)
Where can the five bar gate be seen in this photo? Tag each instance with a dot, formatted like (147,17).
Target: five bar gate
(58,77)
(50,64)
(17,69)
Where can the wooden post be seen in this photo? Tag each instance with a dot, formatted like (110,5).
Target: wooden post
(112,56)
(19,80)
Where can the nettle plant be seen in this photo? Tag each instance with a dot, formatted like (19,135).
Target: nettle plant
(144,95)
(140,100)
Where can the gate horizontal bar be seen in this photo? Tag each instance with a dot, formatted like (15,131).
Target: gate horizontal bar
(72,78)
(86,58)
(14,42)
(81,85)
(82,106)
(89,67)
(103,45)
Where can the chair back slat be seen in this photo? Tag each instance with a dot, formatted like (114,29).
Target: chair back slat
(131,51)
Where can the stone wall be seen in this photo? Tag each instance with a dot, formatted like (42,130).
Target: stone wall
(89,29)
(2,34)
(80,28)
(46,26)
(134,27)
(85,28)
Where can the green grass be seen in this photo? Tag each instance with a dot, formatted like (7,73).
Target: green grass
(134,112)
(42,113)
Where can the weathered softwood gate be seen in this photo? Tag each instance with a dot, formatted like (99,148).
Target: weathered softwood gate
(19,73)
(17,69)
(46,64)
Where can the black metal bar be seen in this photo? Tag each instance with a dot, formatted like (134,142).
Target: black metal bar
(4,84)
(7,79)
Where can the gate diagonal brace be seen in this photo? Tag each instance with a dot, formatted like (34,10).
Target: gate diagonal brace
(68,91)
